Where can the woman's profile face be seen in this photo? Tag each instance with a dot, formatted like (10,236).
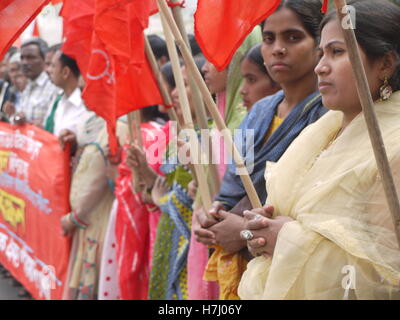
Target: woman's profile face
(288,49)
(175,94)
(335,76)
(215,81)
(256,84)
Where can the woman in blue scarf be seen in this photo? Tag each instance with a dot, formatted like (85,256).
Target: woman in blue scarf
(290,55)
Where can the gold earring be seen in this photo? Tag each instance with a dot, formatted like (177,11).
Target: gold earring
(386,90)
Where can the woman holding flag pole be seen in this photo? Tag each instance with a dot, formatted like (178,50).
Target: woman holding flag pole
(332,235)
(289,52)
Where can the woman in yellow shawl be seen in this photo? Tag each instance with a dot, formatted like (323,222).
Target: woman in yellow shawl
(331,235)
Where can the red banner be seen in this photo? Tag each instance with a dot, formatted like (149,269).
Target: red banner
(34,194)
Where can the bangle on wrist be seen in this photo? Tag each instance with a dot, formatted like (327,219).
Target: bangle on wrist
(78,222)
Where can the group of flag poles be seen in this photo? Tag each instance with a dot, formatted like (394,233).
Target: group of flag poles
(199,109)
(172,33)
(175,35)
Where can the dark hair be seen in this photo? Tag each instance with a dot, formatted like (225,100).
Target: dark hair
(377,30)
(12,51)
(67,61)
(194,46)
(308,11)
(152,113)
(255,56)
(40,43)
(158,45)
(166,70)
(200,61)
(54,48)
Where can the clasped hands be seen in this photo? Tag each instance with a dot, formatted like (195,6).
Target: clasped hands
(224,228)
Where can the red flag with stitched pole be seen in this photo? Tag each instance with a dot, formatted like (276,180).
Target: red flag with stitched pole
(222,25)
(119,78)
(15,16)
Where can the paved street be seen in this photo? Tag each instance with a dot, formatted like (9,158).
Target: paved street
(7,290)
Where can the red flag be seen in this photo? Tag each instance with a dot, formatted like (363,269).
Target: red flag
(119,78)
(222,25)
(15,16)
(77,30)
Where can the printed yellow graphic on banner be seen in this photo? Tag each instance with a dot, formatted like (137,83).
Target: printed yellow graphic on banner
(12,209)
(4,156)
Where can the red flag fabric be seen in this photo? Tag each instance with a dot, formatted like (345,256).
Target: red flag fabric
(136,221)
(36,32)
(119,78)
(222,25)
(15,16)
(325,6)
(77,30)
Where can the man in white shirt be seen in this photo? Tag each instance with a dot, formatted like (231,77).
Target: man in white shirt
(39,92)
(68,109)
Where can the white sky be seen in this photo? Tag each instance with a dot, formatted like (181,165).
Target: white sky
(155,23)
(50,24)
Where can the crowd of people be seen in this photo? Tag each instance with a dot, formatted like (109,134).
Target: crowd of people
(291,84)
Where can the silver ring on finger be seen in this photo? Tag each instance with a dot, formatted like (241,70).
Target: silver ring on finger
(246,235)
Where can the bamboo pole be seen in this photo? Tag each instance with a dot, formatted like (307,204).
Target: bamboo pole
(163,90)
(184,102)
(370,117)
(200,111)
(201,115)
(135,135)
(212,108)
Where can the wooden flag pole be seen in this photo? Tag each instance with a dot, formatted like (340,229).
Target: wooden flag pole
(201,115)
(212,108)
(200,111)
(135,135)
(163,90)
(195,152)
(369,115)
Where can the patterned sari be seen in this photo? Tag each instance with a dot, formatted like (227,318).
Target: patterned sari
(168,279)
(92,197)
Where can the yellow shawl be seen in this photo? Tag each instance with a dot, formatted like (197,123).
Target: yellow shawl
(341,216)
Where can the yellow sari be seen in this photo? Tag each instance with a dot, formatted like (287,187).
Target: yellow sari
(341,218)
